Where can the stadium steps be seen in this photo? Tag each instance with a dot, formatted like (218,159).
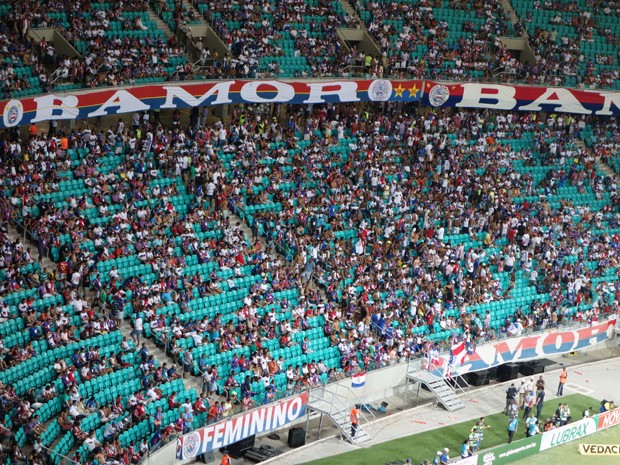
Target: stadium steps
(350,10)
(514,17)
(200,20)
(445,394)
(328,401)
(161,25)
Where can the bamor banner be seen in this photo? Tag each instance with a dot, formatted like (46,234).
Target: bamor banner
(106,102)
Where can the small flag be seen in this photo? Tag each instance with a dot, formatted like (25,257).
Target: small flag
(358,380)
(458,349)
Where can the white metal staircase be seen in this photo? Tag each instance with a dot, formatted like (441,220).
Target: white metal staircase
(336,402)
(445,393)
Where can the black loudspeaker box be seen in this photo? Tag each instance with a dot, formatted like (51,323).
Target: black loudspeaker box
(296,437)
(532,368)
(237,449)
(508,372)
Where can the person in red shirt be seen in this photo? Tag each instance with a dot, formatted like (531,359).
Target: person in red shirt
(199,405)
(213,413)
(172,401)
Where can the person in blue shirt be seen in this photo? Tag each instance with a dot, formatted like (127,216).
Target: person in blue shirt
(466,449)
(513,424)
(444,459)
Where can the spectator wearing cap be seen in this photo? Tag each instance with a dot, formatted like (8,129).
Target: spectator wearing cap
(445,456)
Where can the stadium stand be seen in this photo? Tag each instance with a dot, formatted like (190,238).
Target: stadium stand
(174,13)
(280,38)
(372,235)
(439,39)
(576,43)
(428,227)
(117,42)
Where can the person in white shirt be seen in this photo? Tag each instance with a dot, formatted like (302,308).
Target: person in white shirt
(92,442)
(138,327)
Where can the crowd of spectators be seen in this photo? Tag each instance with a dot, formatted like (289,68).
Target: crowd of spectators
(255,31)
(439,39)
(117,45)
(17,52)
(402,28)
(559,44)
(446,212)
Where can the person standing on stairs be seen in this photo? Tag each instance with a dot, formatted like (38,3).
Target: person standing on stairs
(355,420)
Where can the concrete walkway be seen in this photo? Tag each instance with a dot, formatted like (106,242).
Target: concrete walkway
(593,374)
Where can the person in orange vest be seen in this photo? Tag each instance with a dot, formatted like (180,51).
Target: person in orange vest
(226,458)
(355,420)
(563,377)
(32,130)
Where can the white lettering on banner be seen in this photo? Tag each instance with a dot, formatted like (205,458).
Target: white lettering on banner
(279,414)
(567,433)
(124,101)
(607,419)
(294,409)
(559,342)
(529,347)
(493,96)
(346,91)
(218,434)
(221,90)
(610,98)
(234,433)
(54,107)
(565,101)
(250,423)
(285,92)
(258,419)
(524,347)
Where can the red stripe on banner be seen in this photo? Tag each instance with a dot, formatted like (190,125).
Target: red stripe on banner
(524,98)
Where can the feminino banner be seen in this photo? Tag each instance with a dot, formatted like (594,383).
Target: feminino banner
(523,349)
(521,98)
(98,103)
(256,421)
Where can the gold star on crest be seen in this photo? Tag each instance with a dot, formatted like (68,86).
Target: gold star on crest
(413,92)
(399,90)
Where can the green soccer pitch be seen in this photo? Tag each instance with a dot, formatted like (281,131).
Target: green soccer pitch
(568,454)
(424,445)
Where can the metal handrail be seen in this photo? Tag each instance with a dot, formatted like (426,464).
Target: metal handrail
(340,403)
